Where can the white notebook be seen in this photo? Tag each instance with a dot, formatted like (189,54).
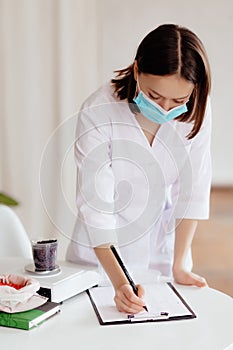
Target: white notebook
(162,300)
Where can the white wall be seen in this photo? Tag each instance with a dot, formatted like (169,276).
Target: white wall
(48,65)
(125,23)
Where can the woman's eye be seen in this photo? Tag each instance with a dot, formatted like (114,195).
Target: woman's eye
(153,97)
(179,102)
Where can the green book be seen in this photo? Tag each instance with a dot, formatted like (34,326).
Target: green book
(31,318)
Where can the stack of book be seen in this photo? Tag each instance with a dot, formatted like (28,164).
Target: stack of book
(31,318)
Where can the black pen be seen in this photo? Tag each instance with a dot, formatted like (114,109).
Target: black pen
(129,278)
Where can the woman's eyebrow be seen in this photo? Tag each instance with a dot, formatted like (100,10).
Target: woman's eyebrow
(174,98)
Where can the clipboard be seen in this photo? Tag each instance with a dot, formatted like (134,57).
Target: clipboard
(163,300)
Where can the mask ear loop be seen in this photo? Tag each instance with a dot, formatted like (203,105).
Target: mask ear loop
(133,106)
(137,88)
(136,77)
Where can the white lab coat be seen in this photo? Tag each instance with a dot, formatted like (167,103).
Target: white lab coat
(131,193)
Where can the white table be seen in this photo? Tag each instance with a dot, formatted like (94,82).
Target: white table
(77,326)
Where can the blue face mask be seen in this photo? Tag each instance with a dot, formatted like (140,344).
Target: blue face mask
(151,110)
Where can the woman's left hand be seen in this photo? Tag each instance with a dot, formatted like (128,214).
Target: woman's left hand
(189,278)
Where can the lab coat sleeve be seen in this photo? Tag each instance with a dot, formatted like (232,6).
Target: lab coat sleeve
(95,180)
(191,197)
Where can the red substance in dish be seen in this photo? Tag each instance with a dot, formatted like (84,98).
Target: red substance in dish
(16,286)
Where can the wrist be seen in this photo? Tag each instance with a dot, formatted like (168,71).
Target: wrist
(120,285)
(178,267)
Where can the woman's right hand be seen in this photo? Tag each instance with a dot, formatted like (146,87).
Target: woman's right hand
(127,301)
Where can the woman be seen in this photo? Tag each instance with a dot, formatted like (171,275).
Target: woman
(143,158)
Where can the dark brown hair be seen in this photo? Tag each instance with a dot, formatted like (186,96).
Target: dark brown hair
(171,49)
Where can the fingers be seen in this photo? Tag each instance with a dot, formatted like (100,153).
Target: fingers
(198,281)
(141,291)
(190,278)
(126,301)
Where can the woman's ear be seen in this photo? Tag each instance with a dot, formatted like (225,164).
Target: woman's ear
(135,70)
